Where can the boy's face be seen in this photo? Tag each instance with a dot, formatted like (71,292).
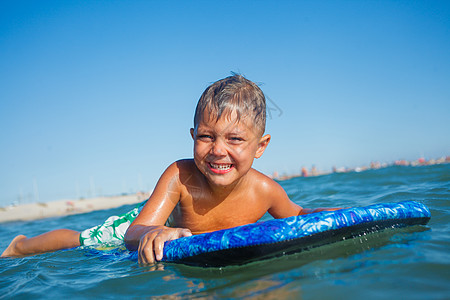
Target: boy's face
(224,150)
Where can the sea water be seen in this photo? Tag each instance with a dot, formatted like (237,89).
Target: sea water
(408,263)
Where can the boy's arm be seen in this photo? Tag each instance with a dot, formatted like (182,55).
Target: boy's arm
(147,233)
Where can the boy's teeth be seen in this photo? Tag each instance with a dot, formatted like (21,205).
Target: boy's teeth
(221,167)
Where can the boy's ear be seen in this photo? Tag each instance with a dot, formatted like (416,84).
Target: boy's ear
(263,142)
(192,133)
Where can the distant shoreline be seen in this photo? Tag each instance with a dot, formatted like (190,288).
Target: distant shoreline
(35,211)
(373,166)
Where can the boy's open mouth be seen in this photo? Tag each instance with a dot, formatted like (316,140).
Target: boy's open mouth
(220,168)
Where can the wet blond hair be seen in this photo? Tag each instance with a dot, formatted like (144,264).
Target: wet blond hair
(233,94)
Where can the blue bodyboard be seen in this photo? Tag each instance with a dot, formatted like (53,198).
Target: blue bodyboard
(263,240)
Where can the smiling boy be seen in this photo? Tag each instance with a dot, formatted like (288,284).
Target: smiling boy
(218,188)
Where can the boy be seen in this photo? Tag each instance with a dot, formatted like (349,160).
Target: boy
(217,189)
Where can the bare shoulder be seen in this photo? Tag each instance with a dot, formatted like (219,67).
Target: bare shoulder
(185,163)
(165,196)
(279,204)
(186,167)
(170,180)
(180,167)
(264,183)
(189,176)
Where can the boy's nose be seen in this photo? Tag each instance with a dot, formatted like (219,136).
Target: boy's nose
(218,148)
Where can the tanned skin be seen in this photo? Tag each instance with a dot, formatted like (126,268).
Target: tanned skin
(217,189)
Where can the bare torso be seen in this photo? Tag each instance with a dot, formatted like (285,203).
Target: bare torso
(202,209)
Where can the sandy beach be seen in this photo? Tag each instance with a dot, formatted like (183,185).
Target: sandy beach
(34,211)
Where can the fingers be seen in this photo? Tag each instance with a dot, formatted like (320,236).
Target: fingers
(147,247)
(145,250)
(158,245)
(167,235)
(185,233)
(151,245)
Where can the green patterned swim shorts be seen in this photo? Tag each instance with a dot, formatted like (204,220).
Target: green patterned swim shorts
(112,230)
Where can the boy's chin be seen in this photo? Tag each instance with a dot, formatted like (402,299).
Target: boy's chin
(224,181)
(222,185)
(220,180)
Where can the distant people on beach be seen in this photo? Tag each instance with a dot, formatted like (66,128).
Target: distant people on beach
(373,166)
(314,171)
(304,172)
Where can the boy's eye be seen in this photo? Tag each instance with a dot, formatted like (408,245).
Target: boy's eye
(205,137)
(236,140)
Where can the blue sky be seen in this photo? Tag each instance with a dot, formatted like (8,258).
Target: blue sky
(97,97)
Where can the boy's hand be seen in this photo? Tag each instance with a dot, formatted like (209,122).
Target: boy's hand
(152,243)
